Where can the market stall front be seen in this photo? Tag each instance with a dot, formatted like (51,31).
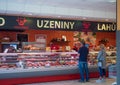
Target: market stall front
(44,51)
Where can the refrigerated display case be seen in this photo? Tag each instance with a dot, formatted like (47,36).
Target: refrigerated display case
(33,46)
(17,65)
(5,45)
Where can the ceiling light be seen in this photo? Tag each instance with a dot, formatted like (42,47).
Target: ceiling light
(112,1)
(106,19)
(20,0)
(30,14)
(59,16)
(84,18)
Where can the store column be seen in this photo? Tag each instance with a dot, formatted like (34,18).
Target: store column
(118,56)
(118,42)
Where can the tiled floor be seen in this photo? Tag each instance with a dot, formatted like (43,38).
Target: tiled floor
(75,82)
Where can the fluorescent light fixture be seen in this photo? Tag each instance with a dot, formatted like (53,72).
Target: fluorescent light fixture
(59,16)
(106,19)
(29,13)
(112,1)
(84,18)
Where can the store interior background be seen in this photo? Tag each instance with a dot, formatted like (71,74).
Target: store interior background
(50,34)
(105,11)
(98,16)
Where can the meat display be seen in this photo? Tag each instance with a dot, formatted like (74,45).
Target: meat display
(48,59)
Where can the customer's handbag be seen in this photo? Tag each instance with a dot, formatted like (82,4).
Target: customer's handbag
(99,63)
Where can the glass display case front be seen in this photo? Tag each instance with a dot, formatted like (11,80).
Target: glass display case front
(46,62)
(34,46)
(48,59)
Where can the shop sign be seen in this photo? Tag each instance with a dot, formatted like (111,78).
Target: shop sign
(20,22)
(106,27)
(55,24)
(2,21)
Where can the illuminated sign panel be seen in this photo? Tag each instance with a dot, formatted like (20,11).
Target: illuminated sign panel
(19,22)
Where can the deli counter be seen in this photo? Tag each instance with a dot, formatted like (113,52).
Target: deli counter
(21,65)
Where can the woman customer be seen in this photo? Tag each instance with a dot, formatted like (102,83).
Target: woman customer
(101,64)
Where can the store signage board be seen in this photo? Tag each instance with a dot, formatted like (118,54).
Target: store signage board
(20,22)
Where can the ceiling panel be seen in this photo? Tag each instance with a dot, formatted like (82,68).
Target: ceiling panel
(61,8)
